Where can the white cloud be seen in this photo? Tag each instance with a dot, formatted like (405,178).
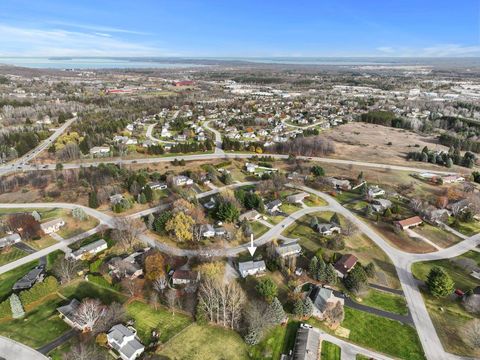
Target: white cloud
(98,28)
(21,41)
(440,50)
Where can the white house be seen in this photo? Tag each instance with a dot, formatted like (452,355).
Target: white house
(52,226)
(207,231)
(90,249)
(250,215)
(183,277)
(99,150)
(9,240)
(182,180)
(375,191)
(251,167)
(251,268)
(124,340)
(328,229)
(297,198)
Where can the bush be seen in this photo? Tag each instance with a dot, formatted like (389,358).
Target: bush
(5,310)
(39,290)
(16,306)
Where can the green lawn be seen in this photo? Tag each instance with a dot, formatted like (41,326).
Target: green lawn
(469,229)
(148,319)
(9,278)
(279,340)
(330,351)
(438,236)
(289,208)
(11,254)
(206,342)
(38,327)
(258,229)
(313,200)
(83,289)
(383,335)
(385,301)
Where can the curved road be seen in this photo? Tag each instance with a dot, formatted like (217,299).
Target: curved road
(11,349)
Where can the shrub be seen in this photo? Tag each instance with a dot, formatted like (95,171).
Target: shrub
(16,306)
(5,309)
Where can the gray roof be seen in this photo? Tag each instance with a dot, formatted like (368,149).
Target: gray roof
(307,345)
(273,203)
(251,265)
(69,310)
(10,239)
(29,279)
(89,247)
(118,332)
(53,222)
(206,227)
(291,248)
(319,296)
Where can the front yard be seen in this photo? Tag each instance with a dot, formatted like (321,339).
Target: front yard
(385,301)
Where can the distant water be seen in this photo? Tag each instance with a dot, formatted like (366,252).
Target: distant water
(91,63)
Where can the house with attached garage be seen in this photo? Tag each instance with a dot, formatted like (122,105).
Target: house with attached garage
(307,344)
(89,250)
(35,275)
(288,250)
(328,229)
(207,231)
(182,180)
(247,268)
(100,150)
(184,277)
(68,313)
(323,299)
(375,191)
(250,215)
(297,198)
(380,205)
(273,206)
(52,226)
(345,264)
(125,342)
(408,223)
(9,240)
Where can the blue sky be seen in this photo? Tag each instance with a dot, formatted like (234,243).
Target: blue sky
(242,28)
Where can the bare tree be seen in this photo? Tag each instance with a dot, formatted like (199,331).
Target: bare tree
(66,269)
(349,228)
(416,205)
(471,333)
(113,314)
(89,311)
(334,314)
(127,232)
(160,284)
(132,286)
(457,208)
(472,303)
(83,351)
(171,298)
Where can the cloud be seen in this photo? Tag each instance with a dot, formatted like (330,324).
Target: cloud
(22,41)
(98,28)
(440,50)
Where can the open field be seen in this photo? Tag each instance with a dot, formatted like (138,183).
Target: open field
(436,235)
(258,228)
(11,277)
(330,351)
(205,342)
(162,320)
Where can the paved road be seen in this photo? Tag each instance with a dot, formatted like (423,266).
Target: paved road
(12,350)
(45,349)
(151,137)
(218,137)
(386,289)
(12,166)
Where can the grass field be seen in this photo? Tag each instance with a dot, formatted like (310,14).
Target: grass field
(330,351)
(38,327)
(199,342)
(469,229)
(279,340)
(258,229)
(383,335)
(83,289)
(313,200)
(438,236)
(162,320)
(11,254)
(385,301)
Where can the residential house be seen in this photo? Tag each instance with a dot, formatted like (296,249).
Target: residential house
(9,240)
(273,206)
(345,264)
(339,184)
(181,137)
(220,231)
(375,191)
(408,223)
(130,267)
(124,341)
(116,199)
(307,344)
(100,150)
(323,299)
(380,205)
(184,277)
(207,231)
(182,180)
(251,168)
(155,185)
(252,268)
(89,250)
(297,198)
(250,215)
(52,226)
(210,204)
(328,229)
(68,313)
(287,250)
(35,275)
(450,179)
(436,216)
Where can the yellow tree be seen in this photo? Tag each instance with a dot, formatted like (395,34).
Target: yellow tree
(181,226)
(154,266)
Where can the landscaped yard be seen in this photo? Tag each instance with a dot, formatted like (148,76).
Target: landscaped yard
(205,342)
(330,351)
(11,254)
(162,320)
(385,301)
(466,228)
(383,335)
(42,243)
(38,327)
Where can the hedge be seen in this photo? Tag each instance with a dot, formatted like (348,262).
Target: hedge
(5,310)
(39,290)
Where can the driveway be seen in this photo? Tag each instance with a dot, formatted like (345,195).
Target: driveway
(45,349)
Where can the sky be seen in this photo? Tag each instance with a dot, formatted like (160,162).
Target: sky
(240,28)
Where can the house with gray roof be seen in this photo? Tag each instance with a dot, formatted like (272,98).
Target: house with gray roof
(307,344)
(287,250)
(252,268)
(52,226)
(125,342)
(68,313)
(380,205)
(328,229)
(323,299)
(297,198)
(31,278)
(9,240)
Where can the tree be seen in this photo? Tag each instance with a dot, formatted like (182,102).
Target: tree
(317,170)
(314,222)
(267,288)
(160,284)
(307,307)
(161,221)
(171,299)
(472,303)
(370,270)
(330,274)
(181,225)
(356,279)
(93,200)
(439,283)
(298,307)
(16,307)
(227,211)
(335,219)
(154,266)
(334,314)
(150,221)
(313,267)
(82,351)
(30,228)
(88,312)
(127,231)
(112,314)
(349,228)
(65,269)
(148,192)
(471,333)
(133,287)
(275,311)
(79,214)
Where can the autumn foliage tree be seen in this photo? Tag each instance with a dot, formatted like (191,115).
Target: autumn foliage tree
(154,266)
(25,224)
(181,226)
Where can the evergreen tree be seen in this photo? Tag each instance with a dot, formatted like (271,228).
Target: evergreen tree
(321,271)
(313,267)
(356,279)
(253,336)
(370,270)
(439,282)
(335,219)
(142,199)
(330,274)
(150,221)
(147,190)
(298,308)
(276,312)
(93,200)
(307,307)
